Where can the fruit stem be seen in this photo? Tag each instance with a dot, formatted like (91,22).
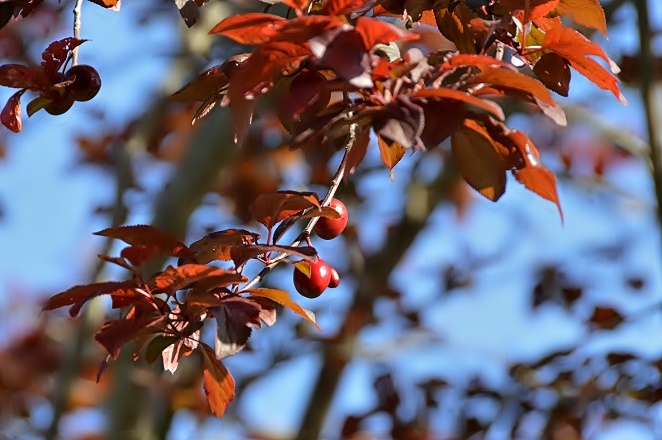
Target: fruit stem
(78,8)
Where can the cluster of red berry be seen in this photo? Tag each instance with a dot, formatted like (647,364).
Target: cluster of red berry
(82,84)
(321,274)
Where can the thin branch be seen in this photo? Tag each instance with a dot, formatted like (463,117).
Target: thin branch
(646,72)
(78,10)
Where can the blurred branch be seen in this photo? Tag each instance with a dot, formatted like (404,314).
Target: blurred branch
(210,150)
(628,141)
(646,72)
(73,357)
(372,276)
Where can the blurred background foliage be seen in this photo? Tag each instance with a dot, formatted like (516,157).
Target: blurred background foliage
(456,318)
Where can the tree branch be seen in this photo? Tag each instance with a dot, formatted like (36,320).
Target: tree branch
(78,11)
(646,72)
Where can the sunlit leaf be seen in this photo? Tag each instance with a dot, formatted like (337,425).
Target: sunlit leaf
(217,382)
(576,48)
(250,28)
(283,298)
(11,113)
(587,13)
(390,152)
(375,31)
(458,95)
(342,7)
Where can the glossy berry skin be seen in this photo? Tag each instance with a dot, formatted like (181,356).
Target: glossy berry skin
(59,104)
(320,275)
(329,228)
(86,83)
(335,279)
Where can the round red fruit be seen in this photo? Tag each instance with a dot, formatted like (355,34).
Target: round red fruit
(335,279)
(59,104)
(329,228)
(86,82)
(313,286)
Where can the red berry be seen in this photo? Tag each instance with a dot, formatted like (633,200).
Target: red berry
(335,279)
(320,275)
(59,104)
(329,228)
(86,83)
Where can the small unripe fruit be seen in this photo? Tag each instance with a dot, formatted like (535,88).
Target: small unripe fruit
(86,83)
(329,228)
(320,275)
(334,281)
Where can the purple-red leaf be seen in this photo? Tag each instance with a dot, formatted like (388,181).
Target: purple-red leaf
(11,113)
(149,236)
(283,298)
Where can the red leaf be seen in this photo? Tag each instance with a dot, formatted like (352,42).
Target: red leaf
(272,208)
(536,8)
(56,54)
(375,31)
(283,298)
(217,245)
(146,235)
(217,382)
(304,28)
(251,28)
(79,295)
(17,76)
(587,13)
(115,334)
(342,7)
(176,278)
(458,95)
(298,5)
(11,113)
(138,254)
(576,48)
(533,175)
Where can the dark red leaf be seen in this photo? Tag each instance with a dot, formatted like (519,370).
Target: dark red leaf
(554,72)
(272,208)
(241,254)
(115,334)
(457,95)
(79,295)
(17,76)
(56,54)
(480,160)
(606,318)
(217,245)
(176,278)
(138,254)
(235,318)
(11,113)
(146,235)
(217,382)
(341,49)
